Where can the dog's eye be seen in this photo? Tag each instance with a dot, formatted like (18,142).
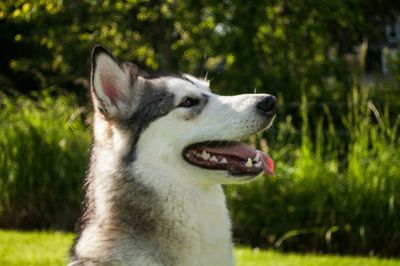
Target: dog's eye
(189,102)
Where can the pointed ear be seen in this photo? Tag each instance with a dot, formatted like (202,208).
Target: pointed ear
(111,84)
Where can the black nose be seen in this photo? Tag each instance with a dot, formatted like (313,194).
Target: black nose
(267,105)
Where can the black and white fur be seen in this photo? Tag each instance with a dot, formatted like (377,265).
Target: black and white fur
(144,204)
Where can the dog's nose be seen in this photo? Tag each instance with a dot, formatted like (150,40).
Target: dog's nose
(267,105)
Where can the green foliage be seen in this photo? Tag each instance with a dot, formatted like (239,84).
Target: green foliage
(272,46)
(43,145)
(331,193)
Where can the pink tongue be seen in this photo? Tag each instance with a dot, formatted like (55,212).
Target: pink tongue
(268,165)
(243,151)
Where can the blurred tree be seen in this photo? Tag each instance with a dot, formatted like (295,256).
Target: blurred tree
(278,46)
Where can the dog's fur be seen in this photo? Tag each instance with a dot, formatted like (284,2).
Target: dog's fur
(144,204)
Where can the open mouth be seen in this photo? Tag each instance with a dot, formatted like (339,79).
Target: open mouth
(232,156)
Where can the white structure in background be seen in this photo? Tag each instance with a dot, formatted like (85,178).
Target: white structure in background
(392,44)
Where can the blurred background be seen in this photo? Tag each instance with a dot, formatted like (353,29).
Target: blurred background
(334,66)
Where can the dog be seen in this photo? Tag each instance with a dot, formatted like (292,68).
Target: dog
(163,144)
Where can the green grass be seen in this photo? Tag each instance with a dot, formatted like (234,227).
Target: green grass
(51,248)
(248,257)
(332,192)
(43,144)
(34,248)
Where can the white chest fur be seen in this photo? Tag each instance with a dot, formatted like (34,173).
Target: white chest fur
(200,216)
(197,213)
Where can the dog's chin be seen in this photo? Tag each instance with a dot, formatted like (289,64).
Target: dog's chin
(233,161)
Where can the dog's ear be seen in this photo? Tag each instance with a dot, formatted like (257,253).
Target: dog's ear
(111,84)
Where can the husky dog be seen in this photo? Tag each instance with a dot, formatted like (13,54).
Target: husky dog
(162,147)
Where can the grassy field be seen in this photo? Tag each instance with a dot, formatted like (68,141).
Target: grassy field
(50,248)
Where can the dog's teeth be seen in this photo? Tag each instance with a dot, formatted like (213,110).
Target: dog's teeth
(205,155)
(223,160)
(249,163)
(213,159)
(258,165)
(258,157)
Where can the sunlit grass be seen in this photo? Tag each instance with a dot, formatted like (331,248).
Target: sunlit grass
(51,248)
(249,257)
(34,248)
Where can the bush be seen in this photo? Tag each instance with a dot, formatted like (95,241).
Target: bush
(43,144)
(331,193)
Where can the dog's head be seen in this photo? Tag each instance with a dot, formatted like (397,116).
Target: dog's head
(174,126)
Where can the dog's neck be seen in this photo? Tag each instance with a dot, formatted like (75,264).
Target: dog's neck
(180,222)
